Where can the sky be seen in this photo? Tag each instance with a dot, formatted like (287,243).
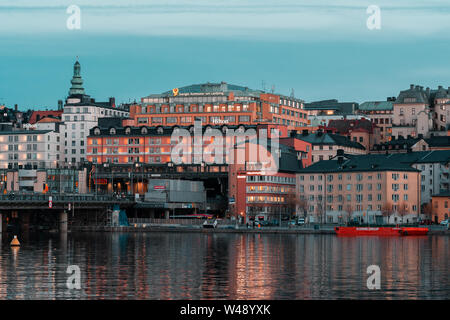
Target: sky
(129,49)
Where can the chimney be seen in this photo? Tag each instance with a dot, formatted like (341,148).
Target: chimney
(440,87)
(428,91)
(16,107)
(411,86)
(112,102)
(60,104)
(305,132)
(340,160)
(340,152)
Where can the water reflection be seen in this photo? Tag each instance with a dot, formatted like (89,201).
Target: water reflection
(224,266)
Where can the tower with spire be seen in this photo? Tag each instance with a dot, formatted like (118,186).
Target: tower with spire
(77,81)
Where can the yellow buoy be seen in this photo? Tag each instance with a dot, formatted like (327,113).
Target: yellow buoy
(15,242)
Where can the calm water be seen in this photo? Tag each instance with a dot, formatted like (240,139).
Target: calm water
(225,266)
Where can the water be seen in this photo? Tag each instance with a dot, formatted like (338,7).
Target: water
(224,266)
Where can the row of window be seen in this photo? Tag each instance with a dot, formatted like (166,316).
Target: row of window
(359,208)
(269,189)
(265,199)
(275,179)
(359,177)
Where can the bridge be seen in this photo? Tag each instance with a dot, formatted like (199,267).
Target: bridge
(29,201)
(25,207)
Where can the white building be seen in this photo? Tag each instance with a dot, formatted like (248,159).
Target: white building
(81,113)
(30,148)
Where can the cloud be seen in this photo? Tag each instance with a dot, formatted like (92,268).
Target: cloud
(271,19)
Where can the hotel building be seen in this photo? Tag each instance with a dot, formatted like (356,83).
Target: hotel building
(217,104)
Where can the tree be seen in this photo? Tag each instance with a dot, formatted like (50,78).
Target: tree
(427,210)
(302,206)
(320,209)
(402,210)
(387,210)
(348,209)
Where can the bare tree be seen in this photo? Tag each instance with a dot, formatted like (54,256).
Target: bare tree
(387,210)
(427,210)
(320,209)
(402,210)
(348,209)
(302,206)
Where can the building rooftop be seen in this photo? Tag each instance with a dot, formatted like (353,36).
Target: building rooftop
(346,126)
(332,104)
(329,139)
(363,163)
(415,94)
(376,106)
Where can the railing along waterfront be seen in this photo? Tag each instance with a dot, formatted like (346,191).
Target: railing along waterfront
(18,197)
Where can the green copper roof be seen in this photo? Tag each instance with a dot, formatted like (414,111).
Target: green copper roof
(77,81)
(376,105)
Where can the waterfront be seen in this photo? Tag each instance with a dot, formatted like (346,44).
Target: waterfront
(162,265)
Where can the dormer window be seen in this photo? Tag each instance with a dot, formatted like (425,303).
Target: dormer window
(97,131)
(112,131)
(127,130)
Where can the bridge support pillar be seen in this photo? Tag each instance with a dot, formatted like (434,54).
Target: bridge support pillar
(63,221)
(25,219)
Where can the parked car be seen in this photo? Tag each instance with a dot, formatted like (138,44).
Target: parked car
(301,221)
(444,223)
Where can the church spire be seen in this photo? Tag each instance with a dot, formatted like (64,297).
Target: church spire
(77,81)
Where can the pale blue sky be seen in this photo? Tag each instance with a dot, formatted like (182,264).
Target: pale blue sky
(128,49)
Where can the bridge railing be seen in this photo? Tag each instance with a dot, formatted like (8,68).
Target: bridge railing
(65,197)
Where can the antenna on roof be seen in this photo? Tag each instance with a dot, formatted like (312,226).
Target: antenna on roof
(273,89)
(292,93)
(263,85)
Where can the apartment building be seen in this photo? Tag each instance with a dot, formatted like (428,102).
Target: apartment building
(441,117)
(30,148)
(370,189)
(412,114)
(440,206)
(363,131)
(381,113)
(326,145)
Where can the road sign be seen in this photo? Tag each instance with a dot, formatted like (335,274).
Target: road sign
(50,202)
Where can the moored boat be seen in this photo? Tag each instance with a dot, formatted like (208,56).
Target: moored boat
(380,231)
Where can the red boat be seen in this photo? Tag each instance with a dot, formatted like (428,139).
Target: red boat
(380,231)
